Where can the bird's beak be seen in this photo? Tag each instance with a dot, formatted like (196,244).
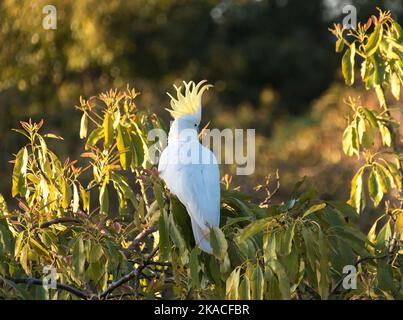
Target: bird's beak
(202,130)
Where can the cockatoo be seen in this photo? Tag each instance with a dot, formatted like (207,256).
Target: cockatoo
(189,169)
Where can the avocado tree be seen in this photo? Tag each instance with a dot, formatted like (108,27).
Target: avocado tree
(373,135)
(109,228)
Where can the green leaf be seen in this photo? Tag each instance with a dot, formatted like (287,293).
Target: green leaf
(381,96)
(254,228)
(379,69)
(370,116)
(339,45)
(83,126)
(386,136)
(286,244)
(385,277)
(375,192)
(365,134)
(18,244)
(345,209)
(66,193)
(53,136)
(357,196)
(123,144)
(394,170)
(108,130)
(39,247)
(347,65)
(19,172)
(283,281)
(94,137)
(383,237)
(96,253)
(350,141)
(76,198)
(218,242)
(85,197)
(78,256)
(244,289)
(374,40)
(163,229)
(313,209)
(104,198)
(139,147)
(194,266)
(122,184)
(232,285)
(24,259)
(176,236)
(157,190)
(381,178)
(395,85)
(257,283)
(324,266)
(310,246)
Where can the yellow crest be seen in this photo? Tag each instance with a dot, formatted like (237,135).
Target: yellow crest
(190,102)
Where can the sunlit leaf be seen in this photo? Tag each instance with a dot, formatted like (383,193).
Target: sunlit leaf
(218,242)
(374,40)
(348,65)
(83,126)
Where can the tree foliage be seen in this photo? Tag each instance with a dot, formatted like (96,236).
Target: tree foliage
(143,247)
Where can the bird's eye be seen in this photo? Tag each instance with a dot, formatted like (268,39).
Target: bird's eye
(195,124)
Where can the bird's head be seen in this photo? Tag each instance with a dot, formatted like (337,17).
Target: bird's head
(186,107)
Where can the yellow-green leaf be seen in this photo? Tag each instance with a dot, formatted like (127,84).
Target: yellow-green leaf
(374,191)
(94,137)
(108,130)
(76,198)
(313,209)
(85,197)
(395,85)
(244,289)
(257,283)
(232,285)
(83,126)
(339,45)
(104,198)
(66,194)
(194,266)
(79,256)
(123,146)
(357,196)
(347,65)
(95,253)
(374,40)
(218,242)
(19,172)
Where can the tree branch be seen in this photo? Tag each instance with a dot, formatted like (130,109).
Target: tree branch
(140,237)
(361,260)
(133,274)
(59,286)
(57,221)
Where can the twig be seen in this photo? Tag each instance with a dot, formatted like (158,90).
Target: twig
(312,292)
(270,194)
(140,237)
(59,286)
(361,260)
(133,274)
(57,221)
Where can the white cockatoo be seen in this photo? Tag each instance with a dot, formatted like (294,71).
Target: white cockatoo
(189,169)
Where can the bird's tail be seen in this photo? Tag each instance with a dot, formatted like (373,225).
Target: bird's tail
(202,237)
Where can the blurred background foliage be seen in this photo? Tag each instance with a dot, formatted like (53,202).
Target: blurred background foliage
(272,63)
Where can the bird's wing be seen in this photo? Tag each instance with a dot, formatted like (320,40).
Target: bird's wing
(162,164)
(198,188)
